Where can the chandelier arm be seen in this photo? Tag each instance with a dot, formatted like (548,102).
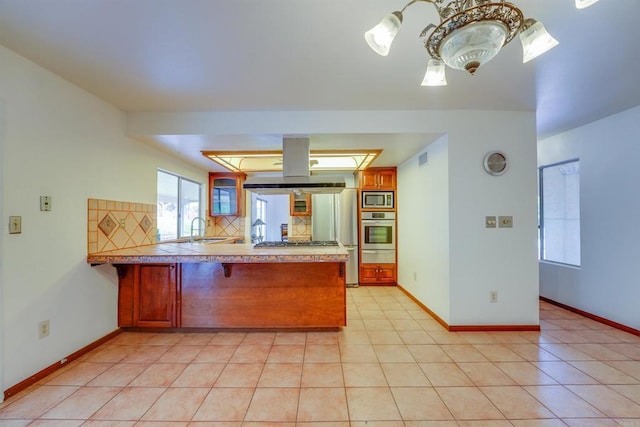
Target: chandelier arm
(427,28)
(433,2)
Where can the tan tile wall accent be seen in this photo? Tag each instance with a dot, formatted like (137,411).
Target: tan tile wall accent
(229,226)
(301,226)
(105,231)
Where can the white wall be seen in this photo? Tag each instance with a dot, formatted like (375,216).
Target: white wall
(423,228)
(479,260)
(60,141)
(500,259)
(607,282)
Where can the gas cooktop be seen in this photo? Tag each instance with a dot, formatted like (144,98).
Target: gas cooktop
(279,244)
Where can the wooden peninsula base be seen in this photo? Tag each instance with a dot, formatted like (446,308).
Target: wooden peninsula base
(232,295)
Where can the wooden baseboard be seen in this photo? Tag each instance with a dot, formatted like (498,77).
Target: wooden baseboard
(425,308)
(11,391)
(495,328)
(471,328)
(214,330)
(592,316)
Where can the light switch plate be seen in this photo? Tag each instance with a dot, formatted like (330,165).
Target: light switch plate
(15,224)
(490,221)
(505,221)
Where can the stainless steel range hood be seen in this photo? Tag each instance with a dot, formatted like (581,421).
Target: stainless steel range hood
(296,176)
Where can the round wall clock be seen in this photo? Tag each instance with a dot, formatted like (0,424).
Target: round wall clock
(495,163)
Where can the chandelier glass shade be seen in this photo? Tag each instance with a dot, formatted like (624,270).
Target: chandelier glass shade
(473,45)
(535,40)
(381,36)
(435,75)
(470,33)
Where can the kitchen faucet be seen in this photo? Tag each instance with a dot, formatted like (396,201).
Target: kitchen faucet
(199,229)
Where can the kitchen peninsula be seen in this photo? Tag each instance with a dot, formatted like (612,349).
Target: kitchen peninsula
(234,286)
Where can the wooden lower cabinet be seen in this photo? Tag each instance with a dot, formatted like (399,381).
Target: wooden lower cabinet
(270,295)
(148,295)
(377,274)
(215,295)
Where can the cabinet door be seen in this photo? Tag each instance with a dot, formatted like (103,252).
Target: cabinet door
(387,180)
(368,180)
(377,179)
(387,273)
(155,296)
(225,194)
(368,273)
(300,205)
(377,274)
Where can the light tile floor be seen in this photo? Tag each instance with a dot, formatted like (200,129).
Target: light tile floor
(392,366)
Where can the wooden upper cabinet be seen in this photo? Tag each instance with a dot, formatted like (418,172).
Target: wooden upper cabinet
(377,179)
(225,194)
(300,204)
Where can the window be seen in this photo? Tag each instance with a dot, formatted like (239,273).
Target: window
(560,212)
(178,206)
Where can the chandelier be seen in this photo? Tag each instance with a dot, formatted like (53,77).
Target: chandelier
(470,34)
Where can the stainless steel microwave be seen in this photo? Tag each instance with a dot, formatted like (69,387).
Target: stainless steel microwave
(377,200)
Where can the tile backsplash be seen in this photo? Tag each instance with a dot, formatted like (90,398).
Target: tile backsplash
(301,226)
(228,226)
(118,225)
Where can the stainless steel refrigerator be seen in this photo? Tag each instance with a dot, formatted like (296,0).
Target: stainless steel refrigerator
(335,217)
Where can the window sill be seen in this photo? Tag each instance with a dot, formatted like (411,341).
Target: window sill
(560,264)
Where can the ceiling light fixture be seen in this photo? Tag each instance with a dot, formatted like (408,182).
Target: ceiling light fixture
(272,161)
(470,33)
(581,4)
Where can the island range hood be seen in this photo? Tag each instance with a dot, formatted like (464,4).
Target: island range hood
(296,176)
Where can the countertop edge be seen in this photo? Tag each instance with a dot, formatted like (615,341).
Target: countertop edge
(215,253)
(237,259)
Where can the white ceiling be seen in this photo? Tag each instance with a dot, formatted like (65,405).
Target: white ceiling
(285,55)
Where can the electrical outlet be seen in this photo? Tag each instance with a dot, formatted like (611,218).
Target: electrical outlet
(123,223)
(493,296)
(15,224)
(43,329)
(490,221)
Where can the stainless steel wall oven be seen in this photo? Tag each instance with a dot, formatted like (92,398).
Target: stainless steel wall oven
(378,230)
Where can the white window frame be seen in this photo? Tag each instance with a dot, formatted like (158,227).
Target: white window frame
(543,229)
(199,226)
(260,213)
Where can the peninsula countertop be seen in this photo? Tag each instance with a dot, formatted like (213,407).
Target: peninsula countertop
(203,252)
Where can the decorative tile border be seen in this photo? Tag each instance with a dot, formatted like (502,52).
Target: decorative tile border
(119,225)
(237,259)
